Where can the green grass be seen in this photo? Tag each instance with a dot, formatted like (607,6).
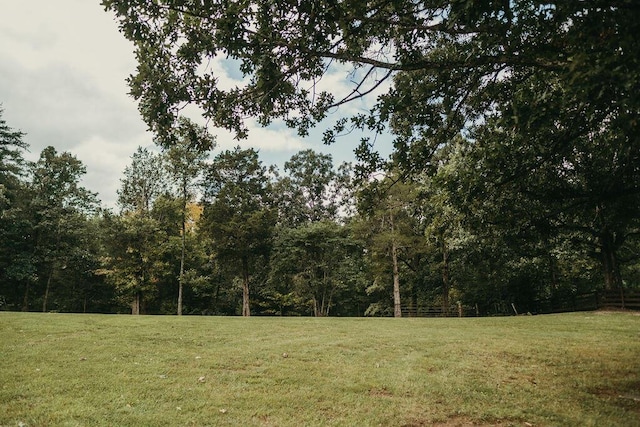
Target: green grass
(106,370)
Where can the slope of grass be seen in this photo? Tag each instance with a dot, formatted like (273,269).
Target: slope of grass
(106,370)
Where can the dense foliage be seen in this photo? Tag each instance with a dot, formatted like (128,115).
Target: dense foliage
(227,235)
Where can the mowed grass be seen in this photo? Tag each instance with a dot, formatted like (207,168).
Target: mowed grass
(111,370)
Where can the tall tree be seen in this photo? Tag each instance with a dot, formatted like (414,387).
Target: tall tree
(238,213)
(442,220)
(138,238)
(549,79)
(392,230)
(59,207)
(135,259)
(16,263)
(186,161)
(554,180)
(12,164)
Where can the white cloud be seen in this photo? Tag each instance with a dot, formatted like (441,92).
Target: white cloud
(264,139)
(62,82)
(75,32)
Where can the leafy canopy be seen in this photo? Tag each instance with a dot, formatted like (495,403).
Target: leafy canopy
(447,64)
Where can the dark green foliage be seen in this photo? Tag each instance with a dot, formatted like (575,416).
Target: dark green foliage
(312,190)
(59,207)
(314,268)
(451,61)
(238,216)
(12,164)
(48,253)
(16,261)
(138,241)
(135,261)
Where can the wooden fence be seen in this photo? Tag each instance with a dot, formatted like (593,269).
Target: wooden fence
(580,302)
(618,299)
(455,310)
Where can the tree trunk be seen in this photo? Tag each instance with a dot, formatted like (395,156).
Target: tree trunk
(25,300)
(57,252)
(216,298)
(397,307)
(610,267)
(554,274)
(135,305)
(609,259)
(319,310)
(246,311)
(329,303)
(181,277)
(322,306)
(46,291)
(446,284)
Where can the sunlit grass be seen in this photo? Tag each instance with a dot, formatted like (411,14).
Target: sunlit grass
(106,370)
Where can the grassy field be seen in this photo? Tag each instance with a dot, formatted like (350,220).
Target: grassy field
(106,370)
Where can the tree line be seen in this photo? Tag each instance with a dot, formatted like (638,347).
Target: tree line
(515,174)
(206,231)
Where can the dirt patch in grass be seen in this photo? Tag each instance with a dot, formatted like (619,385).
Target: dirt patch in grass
(626,396)
(460,421)
(380,392)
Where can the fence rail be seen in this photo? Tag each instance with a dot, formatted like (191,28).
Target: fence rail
(618,299)
(580,302)
(621,299)
(455,310)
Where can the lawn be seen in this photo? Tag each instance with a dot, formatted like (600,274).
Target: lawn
(576,369)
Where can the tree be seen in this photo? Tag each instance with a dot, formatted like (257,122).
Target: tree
(445,61)
(185,161)
(16,260)
(443,231)
(312,190)
(551,78)
(137,240)
(59,206)
(238,215)
(554,180)
(12,164)
(435,215)
(134,261)
(320,260)
(389,224)
(145,179)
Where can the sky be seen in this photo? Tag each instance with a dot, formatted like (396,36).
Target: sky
(63,71)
